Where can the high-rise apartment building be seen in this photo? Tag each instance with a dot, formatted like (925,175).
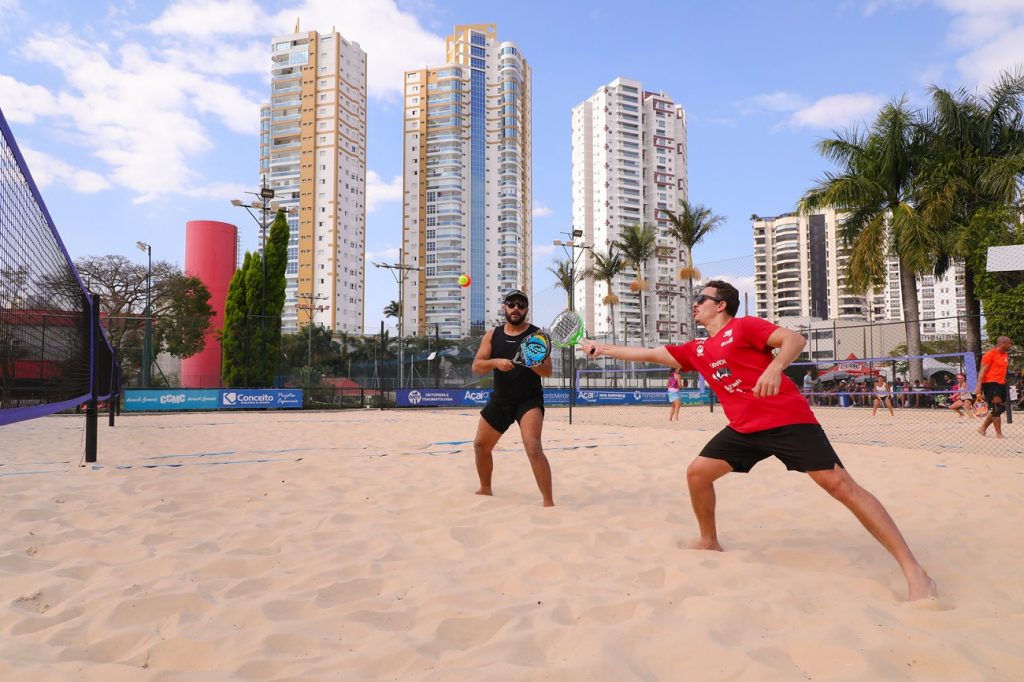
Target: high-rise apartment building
(800,272)
(313,155)
(467,185)
(628,166)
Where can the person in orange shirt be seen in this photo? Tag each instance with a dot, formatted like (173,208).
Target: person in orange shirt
(992,384)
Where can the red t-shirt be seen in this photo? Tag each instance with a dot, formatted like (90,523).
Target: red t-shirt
(997,362)
(731,362)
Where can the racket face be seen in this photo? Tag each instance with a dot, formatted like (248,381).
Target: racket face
(533,350)
(567,329)
(980,408)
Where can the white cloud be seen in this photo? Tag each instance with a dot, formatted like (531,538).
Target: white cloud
(541,211)
(837,111)
(22,103)
(392,39)
(773,101)
(388,255)
(211,18)
(47,170)
(379,192)
(541,251)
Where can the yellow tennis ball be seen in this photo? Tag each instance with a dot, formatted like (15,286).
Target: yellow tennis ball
(464,280)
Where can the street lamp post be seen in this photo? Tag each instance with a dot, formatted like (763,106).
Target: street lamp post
(570,249)
(147,347)
(310,306)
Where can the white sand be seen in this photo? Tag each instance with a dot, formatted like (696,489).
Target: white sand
(357,551)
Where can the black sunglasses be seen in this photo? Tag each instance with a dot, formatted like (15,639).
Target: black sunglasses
(700,298)
(521,305)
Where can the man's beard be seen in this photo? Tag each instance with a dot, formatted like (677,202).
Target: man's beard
(508,317)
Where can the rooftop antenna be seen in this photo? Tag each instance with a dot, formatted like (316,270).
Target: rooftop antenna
(297,24)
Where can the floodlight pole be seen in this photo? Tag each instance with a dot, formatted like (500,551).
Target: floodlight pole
(570,250)
(309,337)
(147,348)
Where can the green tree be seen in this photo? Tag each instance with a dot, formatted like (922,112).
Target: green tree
(971,175)
(874,186)
(689,226)
(180,307)
(637,244)
(606,268)
(392,309)
(235,336)
(566,278)
(277,263)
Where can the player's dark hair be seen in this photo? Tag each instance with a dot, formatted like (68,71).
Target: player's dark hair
(728,294)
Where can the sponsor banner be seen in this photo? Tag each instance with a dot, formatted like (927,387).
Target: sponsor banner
(166,400)
(441,397)
(436,397)
(260,398)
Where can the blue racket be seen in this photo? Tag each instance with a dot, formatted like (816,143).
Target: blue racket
(533,350)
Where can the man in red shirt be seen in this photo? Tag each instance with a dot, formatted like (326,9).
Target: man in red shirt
(992,384)
(767,416)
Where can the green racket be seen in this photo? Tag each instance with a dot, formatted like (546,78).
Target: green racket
(567,329)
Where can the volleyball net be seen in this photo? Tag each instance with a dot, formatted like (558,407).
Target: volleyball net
(54,353)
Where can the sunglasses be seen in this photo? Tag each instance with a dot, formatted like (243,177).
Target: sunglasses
(700,298)
(521,305)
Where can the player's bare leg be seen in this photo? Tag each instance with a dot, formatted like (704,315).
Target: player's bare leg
(483,446)
(531,426)
(873,516)
(700,479)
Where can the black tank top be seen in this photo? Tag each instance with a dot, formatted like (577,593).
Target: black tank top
(520,382)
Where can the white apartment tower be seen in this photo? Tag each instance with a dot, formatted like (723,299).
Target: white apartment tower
(313,155)
(467,186)
(628,165)
(799,271)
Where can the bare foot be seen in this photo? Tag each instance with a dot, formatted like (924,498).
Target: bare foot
(999,435)
(701,543)
(483,491)
(981,431)
(549,503)
(921,586)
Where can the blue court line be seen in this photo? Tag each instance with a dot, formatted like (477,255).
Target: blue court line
(179,465)
(198,454)
(28,473)
(451,442)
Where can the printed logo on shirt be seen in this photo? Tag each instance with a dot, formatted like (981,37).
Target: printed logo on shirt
(722,372)
(727,342)
(728,333)
(700,349)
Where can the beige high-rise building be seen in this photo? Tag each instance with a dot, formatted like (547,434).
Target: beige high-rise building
(629,163)
(313,155)
(800,272)
(468,184)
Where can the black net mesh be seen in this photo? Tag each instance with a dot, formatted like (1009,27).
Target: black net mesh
(45,326)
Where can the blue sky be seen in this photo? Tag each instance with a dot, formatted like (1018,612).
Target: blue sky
(139,116)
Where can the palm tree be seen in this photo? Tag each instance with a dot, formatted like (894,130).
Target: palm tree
(689,226)
(392,309)
(566,278)
(875,187)
(606,269)
(637,244)
(975,160)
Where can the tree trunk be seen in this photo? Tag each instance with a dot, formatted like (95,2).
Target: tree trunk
(911,320)
(640,293)
(972,325)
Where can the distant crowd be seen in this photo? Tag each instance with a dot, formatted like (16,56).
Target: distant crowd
(940,390)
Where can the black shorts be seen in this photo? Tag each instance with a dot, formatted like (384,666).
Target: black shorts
(501,413)
(992,389)
(801,447)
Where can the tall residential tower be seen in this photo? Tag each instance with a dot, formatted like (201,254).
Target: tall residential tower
(467,185)
(628,165)
(313,155)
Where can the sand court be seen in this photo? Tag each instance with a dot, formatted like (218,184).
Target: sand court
(349,545)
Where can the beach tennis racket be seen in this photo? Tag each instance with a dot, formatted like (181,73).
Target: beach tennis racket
(980,408)
(567,329)
(533,350)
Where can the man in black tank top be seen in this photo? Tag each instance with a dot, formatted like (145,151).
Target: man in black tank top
(517,396)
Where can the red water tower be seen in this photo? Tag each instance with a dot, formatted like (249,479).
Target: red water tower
(211,254)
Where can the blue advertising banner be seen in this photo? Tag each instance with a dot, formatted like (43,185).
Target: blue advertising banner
(260,398)
(436,397)
(167,400)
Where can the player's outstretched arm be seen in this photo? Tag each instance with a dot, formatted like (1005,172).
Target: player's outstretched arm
(659,355)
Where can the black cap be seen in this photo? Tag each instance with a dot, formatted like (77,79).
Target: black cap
(516,293)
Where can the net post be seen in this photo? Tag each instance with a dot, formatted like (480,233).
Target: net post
(92,411)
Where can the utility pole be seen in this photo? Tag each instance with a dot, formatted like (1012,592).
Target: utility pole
(398,270)
(310,306)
